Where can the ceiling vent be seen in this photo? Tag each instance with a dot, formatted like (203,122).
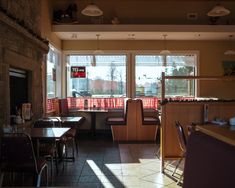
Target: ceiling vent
(192,16)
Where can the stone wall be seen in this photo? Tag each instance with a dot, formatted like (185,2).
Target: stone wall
(26,11)
(21,49)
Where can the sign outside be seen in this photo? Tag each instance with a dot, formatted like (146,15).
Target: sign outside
(78,72)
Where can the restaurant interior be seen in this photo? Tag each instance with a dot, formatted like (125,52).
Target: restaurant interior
(134,93)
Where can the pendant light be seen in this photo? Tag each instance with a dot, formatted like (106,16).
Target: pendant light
(218,11)
(230,51)
(165,51)
(92,10)
(98,50)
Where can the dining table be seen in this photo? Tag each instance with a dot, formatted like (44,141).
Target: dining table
(67,121)
(92,112)
(45,134)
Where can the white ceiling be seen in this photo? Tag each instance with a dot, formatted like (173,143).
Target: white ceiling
(144,32)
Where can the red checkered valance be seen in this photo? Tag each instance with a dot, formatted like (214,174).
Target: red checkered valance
(102,103)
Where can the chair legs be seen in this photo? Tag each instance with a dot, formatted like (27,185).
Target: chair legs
(181,176)
(38,178)
(158,153)
(1,178)
(74,146)
(39,175)
(177,165)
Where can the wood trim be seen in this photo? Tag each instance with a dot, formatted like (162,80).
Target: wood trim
(187,113)
(201,77)
(223,133)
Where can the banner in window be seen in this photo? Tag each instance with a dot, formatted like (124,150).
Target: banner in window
(78,72)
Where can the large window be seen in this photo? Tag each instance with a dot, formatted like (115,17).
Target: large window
(53,78)
(148,69)
(52,60)
(96,76)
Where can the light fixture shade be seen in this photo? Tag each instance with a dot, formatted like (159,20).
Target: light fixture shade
(92,10)
(98,51)
(165,52)
(229,52)
(218,11)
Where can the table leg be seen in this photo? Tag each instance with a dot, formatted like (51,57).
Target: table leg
(37,148)
(93,123)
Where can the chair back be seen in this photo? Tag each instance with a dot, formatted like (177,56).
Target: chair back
(126,104)
(56,120)
(150,118)
(63,107)
(142,109)
(181,136)
(17,153)
(44,123)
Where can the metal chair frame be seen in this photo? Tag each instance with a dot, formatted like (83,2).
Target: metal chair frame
(182,143)
(10,155)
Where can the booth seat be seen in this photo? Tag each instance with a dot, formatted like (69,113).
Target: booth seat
(146,126)
(133,125)
(122,127)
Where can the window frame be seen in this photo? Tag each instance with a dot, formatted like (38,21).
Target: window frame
(130,66)
(157,53)
(66,54)
(58,87)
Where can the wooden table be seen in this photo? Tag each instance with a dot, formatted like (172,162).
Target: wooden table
(93,112)
(50,134)
(67,121)
(224,133)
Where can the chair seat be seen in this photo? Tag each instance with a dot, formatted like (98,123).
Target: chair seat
(25,167)
(115,121)
(71,133)
(47,149)
(151,121)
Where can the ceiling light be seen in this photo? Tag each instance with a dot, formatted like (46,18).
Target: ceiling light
(74,36)
(230,51)
(92,10)
(131,36)
(98,50)
(165,51)
(218,11)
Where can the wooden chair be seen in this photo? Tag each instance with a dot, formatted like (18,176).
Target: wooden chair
(147,126)
(17,155)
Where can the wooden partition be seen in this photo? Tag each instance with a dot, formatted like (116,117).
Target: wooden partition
(187,113)
(134,130)
(126,132)
(144,132)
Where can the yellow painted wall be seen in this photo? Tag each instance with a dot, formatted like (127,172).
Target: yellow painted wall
(46,17)
(211,55)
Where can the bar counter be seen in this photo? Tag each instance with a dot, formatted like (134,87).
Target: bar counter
(224,133)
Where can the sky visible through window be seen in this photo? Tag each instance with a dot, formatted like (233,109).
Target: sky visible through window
(111,71)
